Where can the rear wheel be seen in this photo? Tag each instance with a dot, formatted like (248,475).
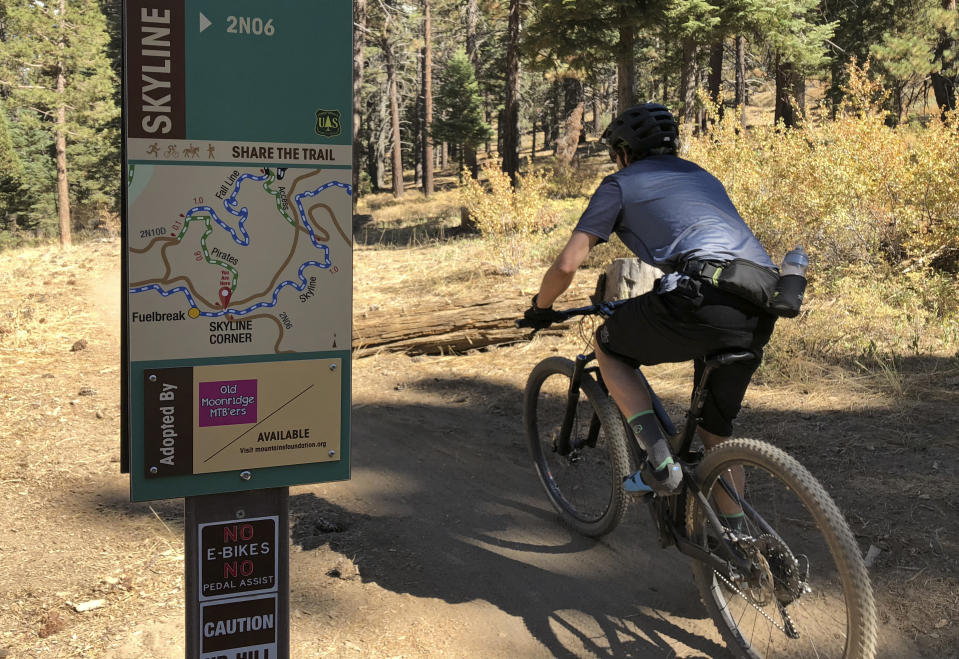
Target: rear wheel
(807,593)
(585,486)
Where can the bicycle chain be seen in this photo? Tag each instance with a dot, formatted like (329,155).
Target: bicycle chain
(753,604)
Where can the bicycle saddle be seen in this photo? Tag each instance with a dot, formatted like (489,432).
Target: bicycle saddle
(725,358)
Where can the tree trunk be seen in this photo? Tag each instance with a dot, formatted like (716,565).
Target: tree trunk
(63,184)
(532,152)
(472,23)
(625,65)
(468,157)
(371,164)
(665,79)
(359,41)
(382,142)
(943,86)
(715,78)
(790,93)
(395,120)
(798,85)
(511,103)
(427,100)
(687,84)
(741,78)
(574,96)
(418,129)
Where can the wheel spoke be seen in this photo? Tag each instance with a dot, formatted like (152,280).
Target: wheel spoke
(793,550)
(585,485)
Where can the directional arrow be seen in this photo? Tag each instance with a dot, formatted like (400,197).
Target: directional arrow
(204,22)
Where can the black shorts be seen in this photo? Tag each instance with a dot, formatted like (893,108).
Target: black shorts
(689,323)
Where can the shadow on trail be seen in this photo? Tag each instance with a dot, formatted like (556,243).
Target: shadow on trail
(449,507)
(605,614)
(452,510)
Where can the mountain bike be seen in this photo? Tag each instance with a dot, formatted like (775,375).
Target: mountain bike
(782,576)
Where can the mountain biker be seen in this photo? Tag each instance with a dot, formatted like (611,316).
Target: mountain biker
(676,216)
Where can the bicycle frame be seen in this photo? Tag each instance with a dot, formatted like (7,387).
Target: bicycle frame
(666,520)
(669,521)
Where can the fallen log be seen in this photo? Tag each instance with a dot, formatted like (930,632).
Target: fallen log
(445,329)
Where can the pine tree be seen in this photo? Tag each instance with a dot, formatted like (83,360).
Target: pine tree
(53,64)
(458,117)
(920,49)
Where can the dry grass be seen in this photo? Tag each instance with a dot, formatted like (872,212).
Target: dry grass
(60,490)
(879,434)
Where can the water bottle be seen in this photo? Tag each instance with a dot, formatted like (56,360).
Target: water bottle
(791,285)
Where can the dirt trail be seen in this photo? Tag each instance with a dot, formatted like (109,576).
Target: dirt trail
(442,544)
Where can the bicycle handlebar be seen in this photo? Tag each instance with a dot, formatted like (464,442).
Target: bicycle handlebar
(604,309)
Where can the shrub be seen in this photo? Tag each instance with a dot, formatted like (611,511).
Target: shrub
(850,190)
(510,219)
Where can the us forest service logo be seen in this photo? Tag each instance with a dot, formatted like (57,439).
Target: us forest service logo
(327,123)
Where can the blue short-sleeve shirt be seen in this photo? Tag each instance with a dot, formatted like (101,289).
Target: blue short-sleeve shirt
(667,210)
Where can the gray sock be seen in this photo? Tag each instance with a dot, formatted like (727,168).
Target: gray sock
(651,438)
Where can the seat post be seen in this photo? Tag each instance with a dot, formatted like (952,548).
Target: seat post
(693,415)
(699,394)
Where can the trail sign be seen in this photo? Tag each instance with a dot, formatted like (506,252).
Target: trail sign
(238,557)
(237,244)
(237,575)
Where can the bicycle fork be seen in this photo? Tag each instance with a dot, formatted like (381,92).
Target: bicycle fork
(563,444)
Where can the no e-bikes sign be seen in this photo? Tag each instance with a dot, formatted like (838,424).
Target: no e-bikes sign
(238,557)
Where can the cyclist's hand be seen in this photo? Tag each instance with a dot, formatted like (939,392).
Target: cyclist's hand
(541,318)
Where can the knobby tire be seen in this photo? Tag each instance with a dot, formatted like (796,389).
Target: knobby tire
(825,519)
(595,472)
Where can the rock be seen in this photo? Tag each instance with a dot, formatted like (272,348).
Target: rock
(872,555)
(87,391)
(79,345)
(83,607)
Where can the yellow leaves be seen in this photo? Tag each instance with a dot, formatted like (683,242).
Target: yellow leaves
(850,190)
(509,218)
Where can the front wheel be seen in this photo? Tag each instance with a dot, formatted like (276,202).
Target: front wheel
(586,484)
(807,592)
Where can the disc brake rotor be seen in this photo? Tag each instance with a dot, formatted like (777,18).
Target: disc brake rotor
(788,576)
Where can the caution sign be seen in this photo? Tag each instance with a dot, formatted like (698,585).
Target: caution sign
(239,629)
(238,557)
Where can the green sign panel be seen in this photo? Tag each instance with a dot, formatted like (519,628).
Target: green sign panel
(237,244)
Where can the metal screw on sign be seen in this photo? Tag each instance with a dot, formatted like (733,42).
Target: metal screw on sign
(153,470)
(153,378)
(332,453)
(332,367)
(240,514)
(246,475)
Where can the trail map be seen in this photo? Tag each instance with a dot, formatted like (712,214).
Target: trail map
(237,244)
(250,261)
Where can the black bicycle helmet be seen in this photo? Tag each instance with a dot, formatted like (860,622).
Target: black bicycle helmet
(641,130)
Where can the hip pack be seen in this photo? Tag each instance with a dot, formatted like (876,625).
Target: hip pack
(746,280)
(752,282)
